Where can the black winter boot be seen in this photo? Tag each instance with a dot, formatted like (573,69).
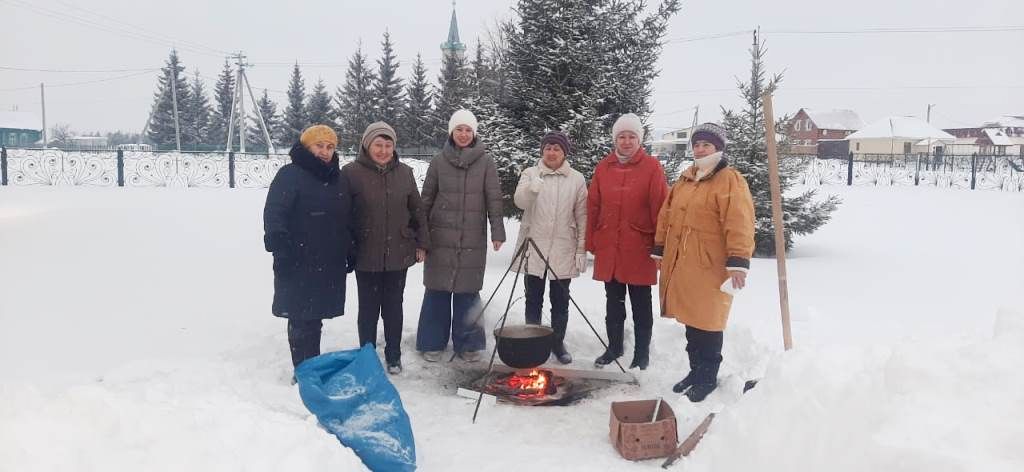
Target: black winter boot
(614,351)
(641,348)
(559,321)
(682,385)
(705,379)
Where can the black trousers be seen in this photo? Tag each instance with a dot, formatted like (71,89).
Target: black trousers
(704,348)
(559,303)
(304,339)
(380,296)
(615,314)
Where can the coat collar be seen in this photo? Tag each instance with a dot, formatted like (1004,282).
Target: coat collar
(365,159)
(691,172)
(465,157)
(543,169)
(305,159)
(613,158)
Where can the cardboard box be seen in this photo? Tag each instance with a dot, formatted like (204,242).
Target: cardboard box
(635,436)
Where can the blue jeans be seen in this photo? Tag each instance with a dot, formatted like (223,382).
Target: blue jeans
(447,314)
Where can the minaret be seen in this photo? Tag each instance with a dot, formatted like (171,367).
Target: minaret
(453,45)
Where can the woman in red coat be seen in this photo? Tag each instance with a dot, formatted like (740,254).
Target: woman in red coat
(625,196)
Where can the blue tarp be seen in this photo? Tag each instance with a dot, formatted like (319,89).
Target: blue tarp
(352,397)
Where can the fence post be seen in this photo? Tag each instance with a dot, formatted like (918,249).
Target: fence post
(917,171)
(3,166)
(849,169)
(231,170)
(974,169)
(120,168)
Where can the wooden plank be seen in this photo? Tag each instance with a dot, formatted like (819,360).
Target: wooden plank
(687,446)
(777,221)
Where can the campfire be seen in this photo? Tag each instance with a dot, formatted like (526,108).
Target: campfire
(535,384)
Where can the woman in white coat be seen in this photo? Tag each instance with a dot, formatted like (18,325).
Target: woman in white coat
(553,197)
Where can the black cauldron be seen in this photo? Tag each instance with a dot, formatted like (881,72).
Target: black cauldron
(524,346)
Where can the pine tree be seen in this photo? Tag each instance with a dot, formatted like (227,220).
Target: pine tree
(162,125)
(268,109)
(318,106)
(387,88)
(747,151)
(354,102)
(575,66)
(417,123)
(453,93)
(223,97)
(199,113)
(295,120)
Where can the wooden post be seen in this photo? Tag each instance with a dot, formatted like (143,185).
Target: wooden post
(777,221)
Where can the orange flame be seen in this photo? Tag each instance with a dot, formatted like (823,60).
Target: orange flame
(533,384)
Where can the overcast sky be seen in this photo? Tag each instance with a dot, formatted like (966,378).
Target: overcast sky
(968,76)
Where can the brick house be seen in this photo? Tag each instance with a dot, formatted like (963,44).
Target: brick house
(809,126)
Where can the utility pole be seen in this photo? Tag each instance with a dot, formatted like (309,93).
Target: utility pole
(928,118)
(238,108)
(42,101)
(174,102)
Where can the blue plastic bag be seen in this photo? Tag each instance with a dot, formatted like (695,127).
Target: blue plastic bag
(352,397)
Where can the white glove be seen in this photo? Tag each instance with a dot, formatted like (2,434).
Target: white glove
(535,184)
(581,262)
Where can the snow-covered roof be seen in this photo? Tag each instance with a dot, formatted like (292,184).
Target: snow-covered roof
(835,119)
(20,120)
(904,127)
(998,137)
(1004,121)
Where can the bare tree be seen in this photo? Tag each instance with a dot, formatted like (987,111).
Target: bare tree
(60,135)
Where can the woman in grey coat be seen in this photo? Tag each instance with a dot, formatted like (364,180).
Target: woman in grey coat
(461,195)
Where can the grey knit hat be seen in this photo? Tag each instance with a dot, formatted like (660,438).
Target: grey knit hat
(379,128)
(711,133)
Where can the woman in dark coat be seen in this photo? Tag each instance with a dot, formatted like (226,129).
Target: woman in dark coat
(307,224)
(461,195)
(392,236)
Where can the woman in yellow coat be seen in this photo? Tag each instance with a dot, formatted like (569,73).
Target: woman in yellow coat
(703,244)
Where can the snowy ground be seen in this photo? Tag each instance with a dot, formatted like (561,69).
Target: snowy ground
(136,335)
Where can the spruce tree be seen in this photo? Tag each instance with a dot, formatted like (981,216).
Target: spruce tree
(268,109)
(295,120)
(747,151)
(574,66)
(453,93)
(387,86)
(199,113)
(223,97)
(354,101)
(417,122)
(162,125)
(318,106)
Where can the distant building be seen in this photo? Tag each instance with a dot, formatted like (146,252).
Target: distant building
(673,142)
(453,46)
(899,135)
(20,129)
(808,127)
(88,142)
(1001,135)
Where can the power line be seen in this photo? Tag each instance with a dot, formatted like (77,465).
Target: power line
(118,31)
(852,31)
(69,84)
(71,70)
(154,33)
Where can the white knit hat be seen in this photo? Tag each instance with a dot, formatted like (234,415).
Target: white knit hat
(628,122)
(462,117)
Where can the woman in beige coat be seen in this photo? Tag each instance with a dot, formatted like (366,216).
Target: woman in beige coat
(704,242)
(553,197)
